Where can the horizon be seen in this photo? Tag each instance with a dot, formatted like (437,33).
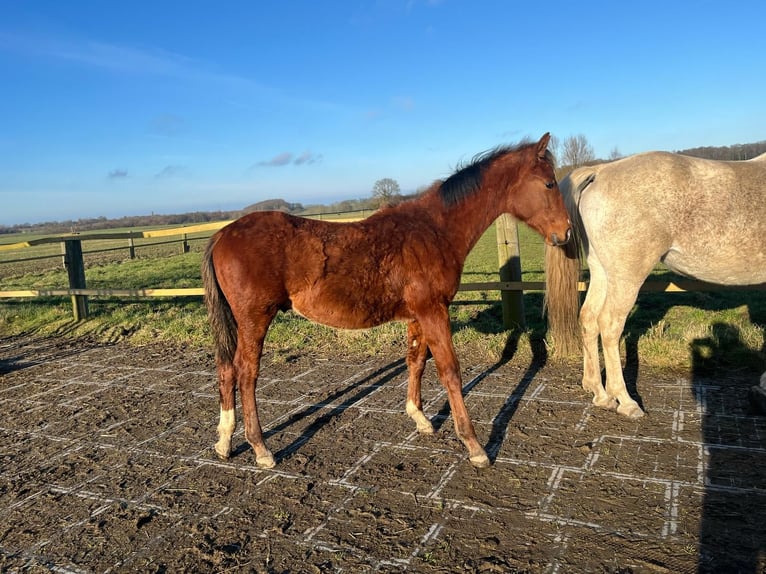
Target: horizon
(108,113)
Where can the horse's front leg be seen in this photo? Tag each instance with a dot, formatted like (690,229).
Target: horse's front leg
(417,353)
(436,328)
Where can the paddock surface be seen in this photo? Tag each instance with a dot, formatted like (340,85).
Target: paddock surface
(107,466)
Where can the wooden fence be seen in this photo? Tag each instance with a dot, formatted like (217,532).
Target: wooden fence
(510,285)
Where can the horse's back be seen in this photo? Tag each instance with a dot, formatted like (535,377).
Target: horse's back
(703,218)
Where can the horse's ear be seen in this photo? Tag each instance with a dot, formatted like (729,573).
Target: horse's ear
(542,145)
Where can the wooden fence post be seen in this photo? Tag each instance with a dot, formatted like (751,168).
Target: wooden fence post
(185,245)
(76,270)
(131,246)
(509,258)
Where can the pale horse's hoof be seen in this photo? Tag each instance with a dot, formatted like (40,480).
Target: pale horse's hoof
(425,426)
(608,403)
(479,460)
(630,410)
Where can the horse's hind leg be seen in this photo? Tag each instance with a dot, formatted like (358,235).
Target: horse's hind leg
(417,352)
(227,422)
(247,363)
(589,313)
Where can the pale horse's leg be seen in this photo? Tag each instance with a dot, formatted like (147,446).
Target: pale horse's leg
(417,351)
(621,295)
(589,313)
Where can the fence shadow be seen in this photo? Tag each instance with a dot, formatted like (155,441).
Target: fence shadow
(24,351)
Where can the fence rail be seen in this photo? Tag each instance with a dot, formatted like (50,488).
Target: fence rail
(511,286)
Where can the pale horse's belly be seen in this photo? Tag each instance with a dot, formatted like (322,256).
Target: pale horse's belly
(739,266)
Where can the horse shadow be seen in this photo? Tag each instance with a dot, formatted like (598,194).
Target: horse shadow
(653,307)
(352,393)
(489,321)
(732,534)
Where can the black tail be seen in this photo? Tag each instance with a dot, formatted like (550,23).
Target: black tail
(218,311)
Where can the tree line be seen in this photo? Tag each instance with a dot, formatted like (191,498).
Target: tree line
(575,151)
(572,152)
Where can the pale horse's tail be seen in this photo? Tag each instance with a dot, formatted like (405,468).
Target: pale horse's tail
(219,313)
(563,266)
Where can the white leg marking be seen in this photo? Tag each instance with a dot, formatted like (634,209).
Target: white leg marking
(423,424)
(226,426)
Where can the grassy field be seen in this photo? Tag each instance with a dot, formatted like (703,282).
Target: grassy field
(664,328)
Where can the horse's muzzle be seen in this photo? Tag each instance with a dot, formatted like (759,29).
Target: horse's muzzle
(556,242)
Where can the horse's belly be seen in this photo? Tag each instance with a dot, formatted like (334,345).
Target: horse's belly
(720,268)
(337,318)
(343,312)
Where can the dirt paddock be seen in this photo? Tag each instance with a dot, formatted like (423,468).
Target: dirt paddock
(107,466)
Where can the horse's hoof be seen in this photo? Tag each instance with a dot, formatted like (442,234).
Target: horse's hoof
(222,454)
(480,460)
(608,403)
(421,421)
(425,427)
(632,412)
(266,461)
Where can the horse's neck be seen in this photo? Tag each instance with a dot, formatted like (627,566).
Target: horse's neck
(467,220)
(468,217)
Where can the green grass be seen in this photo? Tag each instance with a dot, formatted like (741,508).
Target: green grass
(665,329)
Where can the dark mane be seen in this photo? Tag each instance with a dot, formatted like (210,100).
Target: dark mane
(467,179)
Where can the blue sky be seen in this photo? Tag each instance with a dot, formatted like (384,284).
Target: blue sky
(131,108)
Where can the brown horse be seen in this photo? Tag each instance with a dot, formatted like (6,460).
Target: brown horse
(403,263)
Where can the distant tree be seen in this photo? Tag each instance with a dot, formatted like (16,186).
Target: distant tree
(385,190)
(728,153)
(423,188)
(554,145)
(346,205)
(614,154)
(576,151)
(273,205)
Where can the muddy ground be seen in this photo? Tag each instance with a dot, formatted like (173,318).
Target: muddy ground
(107,466)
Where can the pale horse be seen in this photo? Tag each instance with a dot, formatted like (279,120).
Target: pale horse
(703,219)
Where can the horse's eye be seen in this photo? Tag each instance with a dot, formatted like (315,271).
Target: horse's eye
(550,184)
